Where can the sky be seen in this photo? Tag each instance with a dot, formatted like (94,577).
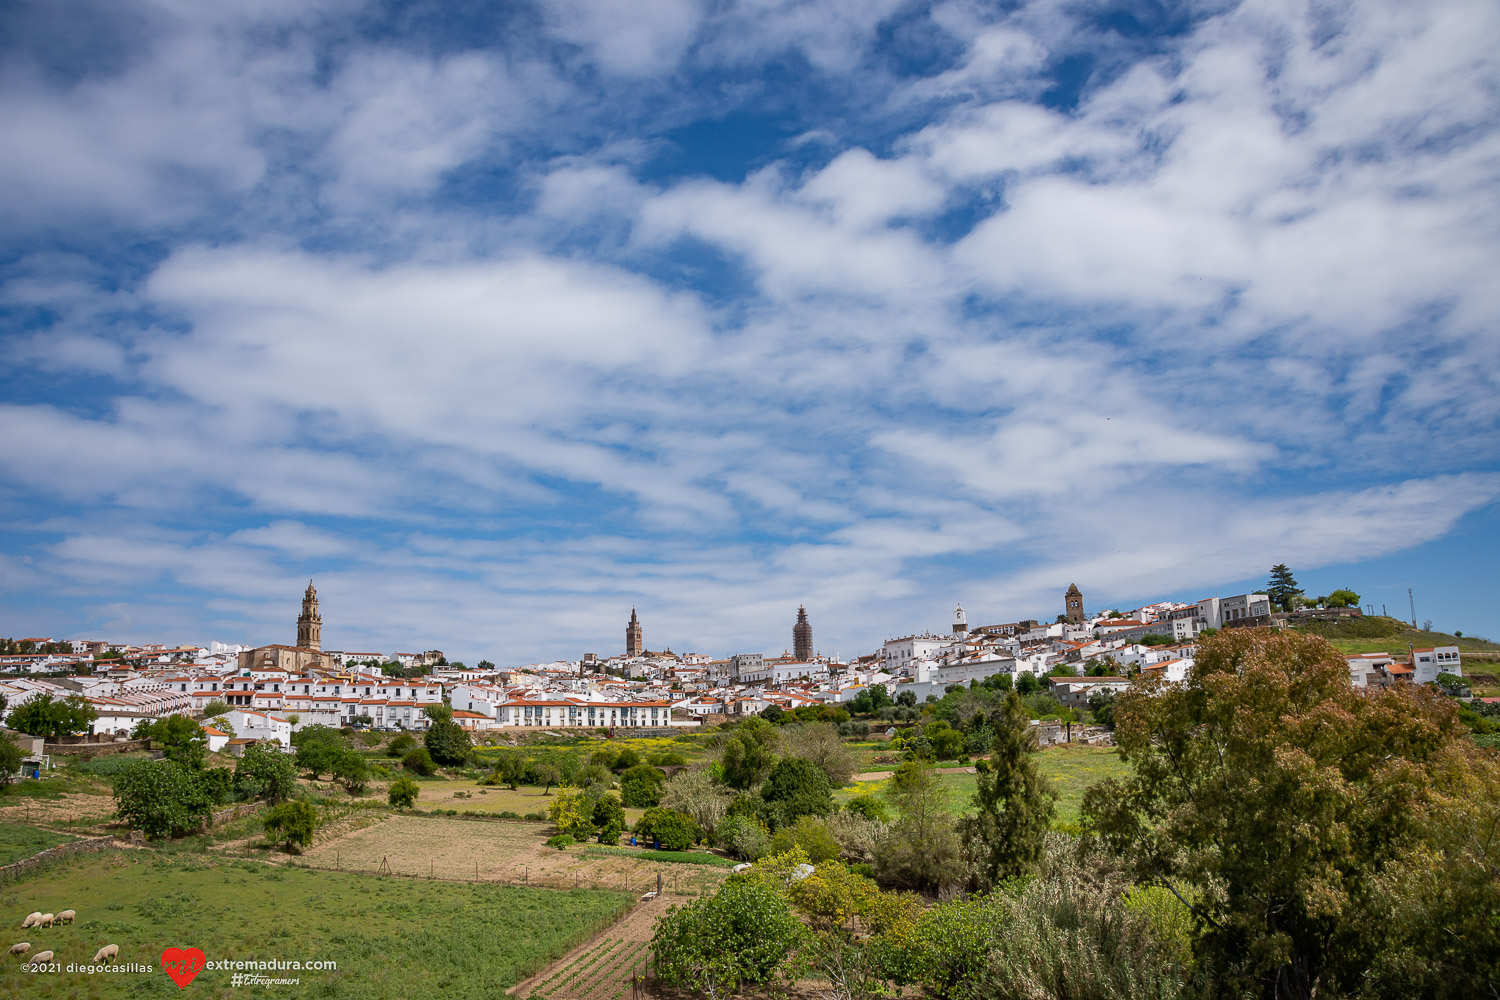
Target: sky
(500,319)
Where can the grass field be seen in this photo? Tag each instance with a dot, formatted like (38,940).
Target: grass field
(392,938)
(1378,634)
(470,795)
(19,841)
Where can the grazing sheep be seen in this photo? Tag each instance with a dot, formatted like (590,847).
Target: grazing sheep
(108,951)
(45,920)
(31,920)
(66,917)
(41,956)
(21,948)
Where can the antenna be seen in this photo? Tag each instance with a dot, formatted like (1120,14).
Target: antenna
(1413,602)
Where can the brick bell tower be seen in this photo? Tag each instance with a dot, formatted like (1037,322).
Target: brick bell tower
(1073,605)
(633,644)
(802,636)
(310,623)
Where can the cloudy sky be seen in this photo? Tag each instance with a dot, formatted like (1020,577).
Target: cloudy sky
(501,318)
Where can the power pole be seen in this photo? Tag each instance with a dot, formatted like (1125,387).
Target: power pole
(1413,602)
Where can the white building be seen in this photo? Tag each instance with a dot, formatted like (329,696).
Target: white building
(1428,663)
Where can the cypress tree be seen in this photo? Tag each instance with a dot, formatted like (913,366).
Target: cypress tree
(1014,802)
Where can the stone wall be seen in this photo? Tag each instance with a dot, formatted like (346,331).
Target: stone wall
(52,854)
(87,750)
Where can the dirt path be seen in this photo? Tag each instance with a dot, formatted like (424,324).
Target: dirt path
(600,968)
(882,775)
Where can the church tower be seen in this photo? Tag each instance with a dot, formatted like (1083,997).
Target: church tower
(633,645)
(960,623)
(1073,605)
(310,623)
(802,636)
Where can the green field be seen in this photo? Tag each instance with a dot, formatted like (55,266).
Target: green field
(19,841)
(467,795)
(391,937)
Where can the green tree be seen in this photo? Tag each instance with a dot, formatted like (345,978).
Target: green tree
(448,742)
(178,736)
(547,775)
(674,831)
(1013,802)
(1282,587)
(572,813)
(215,708)
(400,746)
(795,787)
(1102,706)
(920,850)
(641,786)
(352,771)
(419,761)
(1329,841)
(696,793)
(1342,598)
(403,793)
(811,835)
(743,935)
(49,717)
(292,823)
(609,818)
(265,772)
(160,798)
(749,753)
(819,742)
(318,747)
(10,762)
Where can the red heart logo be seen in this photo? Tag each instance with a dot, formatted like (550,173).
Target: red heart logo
(182,964)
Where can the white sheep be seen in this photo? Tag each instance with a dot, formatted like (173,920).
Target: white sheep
(108,951)
(21,948)
(42,956)
(66,917)
(31,920)
(45,920)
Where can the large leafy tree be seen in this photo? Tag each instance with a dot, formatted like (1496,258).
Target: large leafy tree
(749,753)
(447,741)
(46,716)
(742,935)
(182,739)
(1328,840)
(318,748)
(264,772)
(1282,588)
(160,798)
(641,786)
(1013,803)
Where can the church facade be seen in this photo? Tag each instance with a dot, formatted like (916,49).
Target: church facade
(307,655)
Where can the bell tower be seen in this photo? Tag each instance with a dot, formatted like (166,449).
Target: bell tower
(960,622)
(633,644)
(310,622)
(1073,605)
(802,636)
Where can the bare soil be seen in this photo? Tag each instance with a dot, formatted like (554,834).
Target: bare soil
(603,967)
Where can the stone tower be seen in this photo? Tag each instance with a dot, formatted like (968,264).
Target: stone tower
(802,636)
(310,623)
(1074,605)
(960,623)
(633,646)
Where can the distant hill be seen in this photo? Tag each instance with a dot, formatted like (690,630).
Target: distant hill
(1379,634)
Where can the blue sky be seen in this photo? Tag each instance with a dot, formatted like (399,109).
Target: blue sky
(499,319)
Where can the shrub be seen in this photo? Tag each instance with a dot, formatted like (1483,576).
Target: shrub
(572,813)
(869,806)
(448,742)
(293,823)
(743,934)
(403,792)
(400,746)
(562,841)
(419,761)
(160,798)
(673,831)
(795,787)
(743,836)
(810,834)
(264,772)
(641,786)
(317,748)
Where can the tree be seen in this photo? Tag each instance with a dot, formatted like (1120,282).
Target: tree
(264,772)
(547,775)
(420,761)
(819,743)
(403,793)
(907,699)
(214,709)
(743,934)
(795,787)
(920,849)
(609,818)
(318,747)
(1013,802)
(1342,598)
(10,762)
(351,770)
(49,717)
(400,746)
(448,742)
(572,813)
(749,753)
(484,665)
(1026,682)
(673,831)
(695,793)
(1102,707)
(641,786)
(1328,841)
(1282,588)
(182,739)
(160,798)
(292,823)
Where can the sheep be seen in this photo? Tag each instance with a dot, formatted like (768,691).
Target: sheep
(41,957)
(45,920)
(108,951)
(31,920)
(66,917)
(20,948)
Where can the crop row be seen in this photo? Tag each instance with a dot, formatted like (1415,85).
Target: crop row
(594,953)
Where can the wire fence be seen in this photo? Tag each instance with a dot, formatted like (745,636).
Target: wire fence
(394,866)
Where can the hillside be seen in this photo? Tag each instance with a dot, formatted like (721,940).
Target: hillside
(1377,633)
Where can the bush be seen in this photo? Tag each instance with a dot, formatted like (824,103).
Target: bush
(400,746)
(403,793)
(743,934)
(562,841)
(641,786)
(870,806)
(264,772)
(448,742)
(743,836)
(160,798)
(351,771)
(293,823)
(419,761)
(795,787)
(811,835)
(10,761)
(609,818)
(672,831)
